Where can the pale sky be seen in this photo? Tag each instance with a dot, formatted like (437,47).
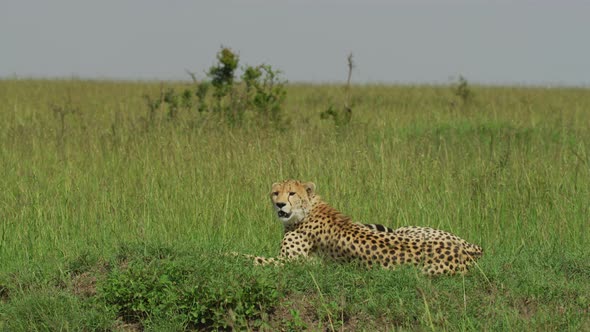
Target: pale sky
(425,41)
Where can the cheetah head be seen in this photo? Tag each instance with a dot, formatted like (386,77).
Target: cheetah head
(291,200)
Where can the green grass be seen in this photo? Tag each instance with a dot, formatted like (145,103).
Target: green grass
(103,201)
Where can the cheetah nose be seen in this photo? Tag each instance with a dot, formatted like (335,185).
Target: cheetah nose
(280,205)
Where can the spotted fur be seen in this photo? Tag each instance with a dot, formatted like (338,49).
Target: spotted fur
(314,227)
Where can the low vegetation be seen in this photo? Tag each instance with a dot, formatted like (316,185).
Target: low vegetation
(116,216)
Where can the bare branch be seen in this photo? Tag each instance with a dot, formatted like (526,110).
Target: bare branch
(350,67)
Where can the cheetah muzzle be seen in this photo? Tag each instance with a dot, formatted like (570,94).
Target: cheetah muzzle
(282,214)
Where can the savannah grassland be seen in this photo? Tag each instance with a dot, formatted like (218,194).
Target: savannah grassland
(111,221)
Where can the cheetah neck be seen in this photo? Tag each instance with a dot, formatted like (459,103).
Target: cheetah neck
(322,209)
(294,223)
(317,210)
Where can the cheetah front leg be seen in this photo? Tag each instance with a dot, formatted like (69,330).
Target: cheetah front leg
(294,246)
(259,260)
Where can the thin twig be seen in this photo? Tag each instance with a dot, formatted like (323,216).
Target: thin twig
(347,89)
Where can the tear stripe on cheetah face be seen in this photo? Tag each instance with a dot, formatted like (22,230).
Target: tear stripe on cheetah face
(314,227)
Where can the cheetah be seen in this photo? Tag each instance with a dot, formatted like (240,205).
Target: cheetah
(311,226)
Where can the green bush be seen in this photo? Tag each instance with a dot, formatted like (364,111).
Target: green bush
(463,92)
(340,117)
(150,289)
(260,91)
(265,92)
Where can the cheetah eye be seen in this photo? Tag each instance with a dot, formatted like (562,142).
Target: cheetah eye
(276,193)
(291,193)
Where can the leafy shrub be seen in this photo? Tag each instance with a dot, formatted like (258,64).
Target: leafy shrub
(152,289)
(462,91)
(340,117)
(260,90)
(201,94)
(265,91)
(223,74)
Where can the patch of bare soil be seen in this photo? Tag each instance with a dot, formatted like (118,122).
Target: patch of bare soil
(84,284)
(128,327)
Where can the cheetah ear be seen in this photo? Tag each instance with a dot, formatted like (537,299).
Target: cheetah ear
(309,188)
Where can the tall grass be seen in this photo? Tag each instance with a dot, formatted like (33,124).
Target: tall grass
(510,171)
